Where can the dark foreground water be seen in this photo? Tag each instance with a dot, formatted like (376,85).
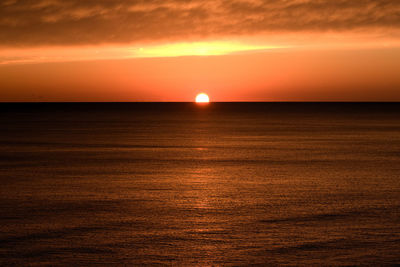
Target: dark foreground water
(179,184)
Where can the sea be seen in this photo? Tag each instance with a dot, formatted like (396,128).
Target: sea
(183,184)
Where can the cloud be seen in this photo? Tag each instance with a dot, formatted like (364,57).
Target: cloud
(74,22)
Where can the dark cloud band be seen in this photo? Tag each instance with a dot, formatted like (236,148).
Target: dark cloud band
(61,22)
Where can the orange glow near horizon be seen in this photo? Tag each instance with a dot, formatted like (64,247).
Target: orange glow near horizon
(277,75)
(237,70)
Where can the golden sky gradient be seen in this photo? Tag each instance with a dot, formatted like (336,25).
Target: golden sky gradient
(169,50)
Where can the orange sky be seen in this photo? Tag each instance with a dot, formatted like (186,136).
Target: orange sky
(238,50)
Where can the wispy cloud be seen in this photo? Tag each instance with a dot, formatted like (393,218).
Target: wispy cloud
(73,22)
(98,52)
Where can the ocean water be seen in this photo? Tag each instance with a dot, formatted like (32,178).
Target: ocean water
(182,184)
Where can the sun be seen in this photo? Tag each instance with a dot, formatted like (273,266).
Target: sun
(202,98)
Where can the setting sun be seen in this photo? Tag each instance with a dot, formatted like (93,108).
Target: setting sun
(202,98)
